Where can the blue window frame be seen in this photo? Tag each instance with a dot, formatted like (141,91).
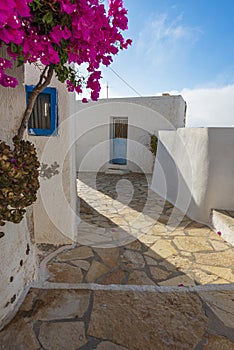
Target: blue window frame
(44,118)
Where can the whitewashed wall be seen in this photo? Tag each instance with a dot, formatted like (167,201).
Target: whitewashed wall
(55,212)
(16,248)
(146,115)
(194,170)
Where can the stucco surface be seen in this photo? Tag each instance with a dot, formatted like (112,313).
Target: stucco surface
(194,170)
(16,249)
(55,216)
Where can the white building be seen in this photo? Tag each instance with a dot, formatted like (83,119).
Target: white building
(115,133)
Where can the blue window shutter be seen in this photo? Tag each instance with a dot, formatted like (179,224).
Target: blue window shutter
(52,130)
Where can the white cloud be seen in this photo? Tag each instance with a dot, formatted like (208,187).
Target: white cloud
(163,39)
(209,106)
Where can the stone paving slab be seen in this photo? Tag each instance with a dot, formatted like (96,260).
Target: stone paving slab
(132,236)
(122,320)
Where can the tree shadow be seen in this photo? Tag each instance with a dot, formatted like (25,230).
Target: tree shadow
(133,190)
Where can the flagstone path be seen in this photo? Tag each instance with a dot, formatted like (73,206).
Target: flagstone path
(140,277)
(129,235)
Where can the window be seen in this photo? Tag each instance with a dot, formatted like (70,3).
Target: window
(43,120)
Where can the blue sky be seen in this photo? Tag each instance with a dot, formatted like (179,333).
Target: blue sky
(180,46)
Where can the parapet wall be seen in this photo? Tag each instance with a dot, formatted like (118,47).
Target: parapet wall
(194,170)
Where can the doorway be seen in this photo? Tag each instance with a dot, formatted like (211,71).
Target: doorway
(119,135)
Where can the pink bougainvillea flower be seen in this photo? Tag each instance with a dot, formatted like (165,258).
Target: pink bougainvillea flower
(78,89)
(94,95)
(4,63)
(66,33)
(219,233)
(52,56)
(67,7)
(22,8)
(8,81)
(70,86)
(84,100)
(58,33)
(181,285)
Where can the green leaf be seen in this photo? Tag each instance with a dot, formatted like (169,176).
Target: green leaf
(48,18)
(14,47)
(35,5)
(20,60)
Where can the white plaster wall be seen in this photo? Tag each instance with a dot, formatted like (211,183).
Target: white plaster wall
(221,168)
(194,170)
(17,267)
(16,247)
(55,212)
(146,115)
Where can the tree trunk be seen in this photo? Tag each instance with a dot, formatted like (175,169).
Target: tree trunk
(45,79)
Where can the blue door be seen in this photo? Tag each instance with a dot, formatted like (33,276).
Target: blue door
(119,137)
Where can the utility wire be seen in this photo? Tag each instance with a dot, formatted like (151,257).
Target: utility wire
(125,82)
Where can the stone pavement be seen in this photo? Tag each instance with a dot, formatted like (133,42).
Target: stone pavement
(129,235)
(140,277)
(70,319)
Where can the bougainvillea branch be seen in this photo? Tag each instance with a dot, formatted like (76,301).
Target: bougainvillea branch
(44,81)
(62,35)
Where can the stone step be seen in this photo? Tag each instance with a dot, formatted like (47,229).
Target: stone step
(116,171)
(223,223)
(118,166)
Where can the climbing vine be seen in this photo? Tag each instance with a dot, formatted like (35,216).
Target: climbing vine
(18,179)
(153,144)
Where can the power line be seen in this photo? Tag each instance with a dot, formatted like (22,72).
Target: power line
(125,82)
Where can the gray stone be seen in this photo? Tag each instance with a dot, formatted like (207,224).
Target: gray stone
(106,345)
(114,277)
(222,304)
(108,255)
(139,278)
(76,253)
(62,335)
(18,335)
(65,273)
(96,270)
(59,304)
(216,342)
(224,258)
(149,321)
(82,264)
(178,281)
(158,274)
(133,259)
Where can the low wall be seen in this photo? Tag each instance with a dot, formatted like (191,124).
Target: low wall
(194,170)
(17,267)
(16,247)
